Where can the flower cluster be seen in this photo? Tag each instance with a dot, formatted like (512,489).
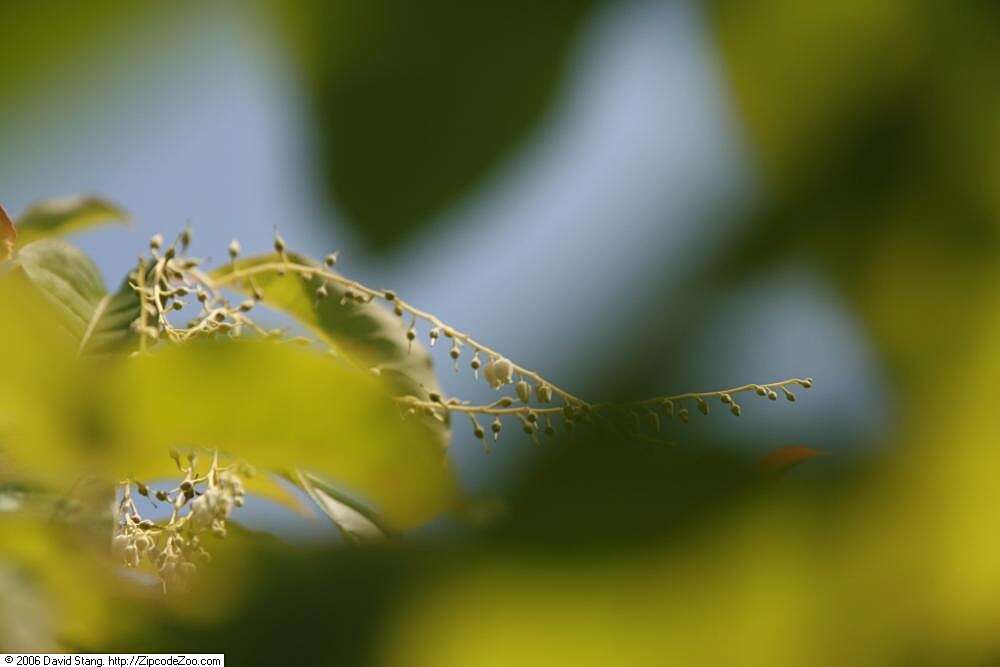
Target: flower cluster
(200,504)
(535,402)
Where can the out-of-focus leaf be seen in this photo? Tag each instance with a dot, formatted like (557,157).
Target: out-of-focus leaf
(794,81)
(367,334)
(879,163)
(100,322)
(353,520)
(8,235)
(58,217)
(67,278)
(415,102)
(783,459)
(267,486)
(274,405)
(279,408)
(110,327)
(68,581)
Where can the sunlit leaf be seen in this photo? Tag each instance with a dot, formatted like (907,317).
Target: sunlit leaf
(67,278)
(68,582)
(58,217)
(278,407)
(351,518)
(8,235)
(369,335)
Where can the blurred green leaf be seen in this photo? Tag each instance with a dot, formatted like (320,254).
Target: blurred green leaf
(416,102)
(279,407)
(367,334)
(59,217)
(67,278)
(370,337)
(352,519)
(69,586)
(8,234)
(100,322)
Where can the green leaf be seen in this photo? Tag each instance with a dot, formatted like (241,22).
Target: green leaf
(280,408)
(354,521)
(67,278)
(416,103)
(277,406)
(369,335)
(99,322)
(58,217)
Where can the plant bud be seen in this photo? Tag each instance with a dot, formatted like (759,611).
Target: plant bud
(761,391)
(156,242)
(772,395)
(544,393)
(478,431)
(496,426)
(505,402)
(726,399)
(118,545)
(654,421)
(279,243)
(501,372)
(735,409)
(234,249)
(389,295)
(435,397)
(186,237)
(668,407)
(322,292)
(162,496)
(702,406)
(131,556)
(434,333)
(807,383)
(523,391)
(398,310)
(331,259)
(683,414)
(789,395)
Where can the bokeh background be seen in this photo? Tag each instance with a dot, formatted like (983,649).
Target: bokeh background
(634,198)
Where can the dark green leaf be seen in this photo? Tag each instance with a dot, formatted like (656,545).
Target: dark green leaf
(416,102)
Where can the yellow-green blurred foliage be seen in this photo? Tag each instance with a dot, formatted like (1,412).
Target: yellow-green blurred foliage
(875,128)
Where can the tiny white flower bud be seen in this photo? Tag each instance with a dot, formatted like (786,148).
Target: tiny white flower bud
(523,391)
(131,556)
(234,249)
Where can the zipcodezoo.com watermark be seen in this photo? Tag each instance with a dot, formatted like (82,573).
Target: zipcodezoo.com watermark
(112,660)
